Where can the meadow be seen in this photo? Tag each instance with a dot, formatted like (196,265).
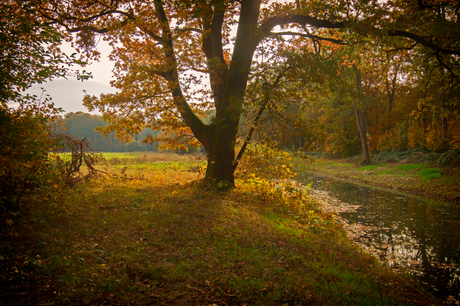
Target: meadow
(150,233)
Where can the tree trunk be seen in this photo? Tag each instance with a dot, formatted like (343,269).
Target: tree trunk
(221,159)
(361,123)
(391,92)
(361,120)
(221,156)
(445,143)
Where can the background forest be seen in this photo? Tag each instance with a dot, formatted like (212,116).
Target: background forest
(83,125)
(344,102)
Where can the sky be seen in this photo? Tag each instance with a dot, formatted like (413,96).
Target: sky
(68,93)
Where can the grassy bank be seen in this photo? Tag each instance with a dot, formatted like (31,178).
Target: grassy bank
(154,236)
(437,183)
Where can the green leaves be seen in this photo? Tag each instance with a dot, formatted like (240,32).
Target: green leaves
(29,51)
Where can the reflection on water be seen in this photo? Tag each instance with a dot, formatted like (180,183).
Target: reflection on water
(404,232)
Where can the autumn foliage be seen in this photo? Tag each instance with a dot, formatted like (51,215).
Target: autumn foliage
(175,59)
(29,55)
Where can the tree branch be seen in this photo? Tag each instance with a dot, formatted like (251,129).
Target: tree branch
(335,41)
(200,130)
(214,52)
(271,22)
(60,20)
(251,131)
(402,48)
(422,41)
(258,115)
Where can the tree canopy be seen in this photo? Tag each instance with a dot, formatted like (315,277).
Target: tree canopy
(176,58)
(29,51)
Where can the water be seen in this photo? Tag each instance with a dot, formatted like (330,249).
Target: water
(406,233)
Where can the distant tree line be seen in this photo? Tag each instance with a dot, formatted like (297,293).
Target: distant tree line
(81,125)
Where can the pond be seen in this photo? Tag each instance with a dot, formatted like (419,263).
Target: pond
(406,233)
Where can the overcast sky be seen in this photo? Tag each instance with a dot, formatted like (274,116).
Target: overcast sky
(68,93)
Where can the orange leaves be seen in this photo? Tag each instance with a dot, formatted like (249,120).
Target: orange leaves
(227,57)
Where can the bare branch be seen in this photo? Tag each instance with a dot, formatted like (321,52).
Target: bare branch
(402,48)
(335,41)
(61,21)
(268,25)
(422,41)
(188,30)
(259,114)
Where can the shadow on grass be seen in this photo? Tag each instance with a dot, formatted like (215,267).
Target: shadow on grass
(159,242)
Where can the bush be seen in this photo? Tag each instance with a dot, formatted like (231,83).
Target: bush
(29,166)
(24,149)
(69,165)
(451,157)
(267,173)
(392,156)
(266,162)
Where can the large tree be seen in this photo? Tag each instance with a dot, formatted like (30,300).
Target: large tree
(164,48)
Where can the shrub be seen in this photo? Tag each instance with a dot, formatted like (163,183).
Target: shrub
(24,149)
(267,172)
(69,166)
(393,156)
(266,162)
(29,166)
(451,157)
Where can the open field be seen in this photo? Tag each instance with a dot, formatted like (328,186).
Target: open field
(156,236)
(114,158)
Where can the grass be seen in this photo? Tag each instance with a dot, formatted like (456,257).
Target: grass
(373,167)
(148,158)
(439,184)
(430,173)
(342,165)
(159,238)
(410,167)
